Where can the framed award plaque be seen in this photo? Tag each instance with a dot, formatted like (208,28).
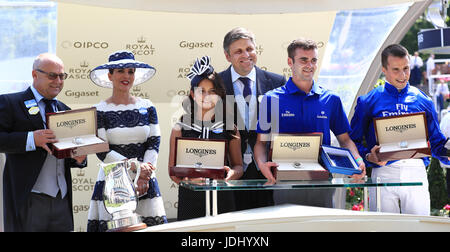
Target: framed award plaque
(339,160)
(402,137)
(199,158)
(297,156)
(76,132)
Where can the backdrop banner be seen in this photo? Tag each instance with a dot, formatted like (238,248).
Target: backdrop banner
(170,42)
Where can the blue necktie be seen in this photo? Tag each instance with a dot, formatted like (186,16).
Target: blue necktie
(49,105)
(247,91)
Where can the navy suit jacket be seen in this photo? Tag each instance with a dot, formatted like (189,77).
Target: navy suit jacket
(22,168)
(265,81)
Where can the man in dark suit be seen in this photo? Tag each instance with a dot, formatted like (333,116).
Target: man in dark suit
(37,187)
(246,82)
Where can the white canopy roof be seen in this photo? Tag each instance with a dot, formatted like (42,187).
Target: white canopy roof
(239,6)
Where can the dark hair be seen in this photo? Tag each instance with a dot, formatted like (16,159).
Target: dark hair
(395,50)
(111,70)
(303,43)
(189,104)
(236,34)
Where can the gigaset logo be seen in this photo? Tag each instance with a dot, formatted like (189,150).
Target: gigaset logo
(192,45)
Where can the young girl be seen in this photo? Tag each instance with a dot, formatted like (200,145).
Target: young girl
(205,118)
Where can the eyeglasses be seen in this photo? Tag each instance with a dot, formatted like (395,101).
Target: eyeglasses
(53,76)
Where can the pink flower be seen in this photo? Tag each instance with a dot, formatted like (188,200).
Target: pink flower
(447,207)
(359,207)
(352,193)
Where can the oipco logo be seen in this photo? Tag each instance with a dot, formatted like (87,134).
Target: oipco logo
(84,44)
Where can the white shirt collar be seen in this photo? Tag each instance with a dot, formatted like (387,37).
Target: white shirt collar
(235,76)
(37,95)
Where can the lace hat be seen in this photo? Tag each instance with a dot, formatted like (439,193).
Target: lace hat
(118,60)
(200,70)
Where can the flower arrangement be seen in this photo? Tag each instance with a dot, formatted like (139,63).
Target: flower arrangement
(445,211)
(355,199)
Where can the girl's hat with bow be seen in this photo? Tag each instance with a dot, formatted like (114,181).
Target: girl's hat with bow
(200,70)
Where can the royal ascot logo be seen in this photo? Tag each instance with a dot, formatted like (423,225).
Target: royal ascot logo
(81,173)
(400,128)
(295,145)
(184,70)
(141,47)
(259,49)
(190,45)
(66,44)
(138,92)
(71,123)
(82,183)
(287,72)
(200,152)
(79,73)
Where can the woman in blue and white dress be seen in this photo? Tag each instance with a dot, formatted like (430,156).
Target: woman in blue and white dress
(130,125)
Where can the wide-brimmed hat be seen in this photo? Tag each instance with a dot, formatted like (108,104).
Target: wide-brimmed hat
(118,60)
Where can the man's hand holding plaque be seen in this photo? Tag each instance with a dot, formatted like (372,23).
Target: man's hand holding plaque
(373,156)
(43,137)
(400,137)
(46,136)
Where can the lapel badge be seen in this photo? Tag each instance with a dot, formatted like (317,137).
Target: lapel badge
(33,110)
(30,103)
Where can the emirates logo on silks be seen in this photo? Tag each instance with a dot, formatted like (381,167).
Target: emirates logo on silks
(287,113)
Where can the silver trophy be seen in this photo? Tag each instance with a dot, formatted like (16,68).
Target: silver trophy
(119,196)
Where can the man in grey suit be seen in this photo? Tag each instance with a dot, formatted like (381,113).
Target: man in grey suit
(246,82)
(37,187)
